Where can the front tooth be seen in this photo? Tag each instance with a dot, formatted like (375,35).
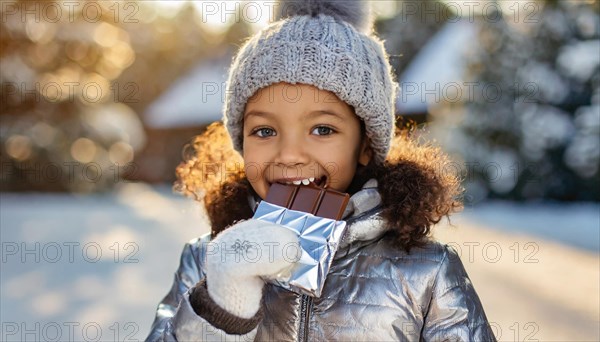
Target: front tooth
(297,182)
(305,181)
(311,179)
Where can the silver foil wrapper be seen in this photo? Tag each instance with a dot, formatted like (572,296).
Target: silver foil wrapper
(319,240)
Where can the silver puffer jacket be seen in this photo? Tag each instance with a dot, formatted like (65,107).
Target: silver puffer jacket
(373,292)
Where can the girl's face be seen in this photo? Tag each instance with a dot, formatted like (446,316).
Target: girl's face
(297,132)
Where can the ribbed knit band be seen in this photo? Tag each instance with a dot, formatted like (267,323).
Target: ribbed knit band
(322,51)
(205,307)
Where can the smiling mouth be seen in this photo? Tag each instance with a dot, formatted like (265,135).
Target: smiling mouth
(320,182)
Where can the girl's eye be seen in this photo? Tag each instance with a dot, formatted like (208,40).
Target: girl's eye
(323,130)
(264,132)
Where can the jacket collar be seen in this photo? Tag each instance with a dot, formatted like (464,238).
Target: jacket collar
(362,215)
(363,200)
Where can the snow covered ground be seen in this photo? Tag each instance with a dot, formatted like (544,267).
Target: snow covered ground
(90,267)
(575,224)
(94,267)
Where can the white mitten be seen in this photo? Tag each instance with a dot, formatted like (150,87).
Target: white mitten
(240,255)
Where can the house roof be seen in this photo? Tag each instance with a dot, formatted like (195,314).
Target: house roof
(440,63)
(193,100)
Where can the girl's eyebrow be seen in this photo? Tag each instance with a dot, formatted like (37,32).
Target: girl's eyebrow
(257,113)
(326,112)
(311,115)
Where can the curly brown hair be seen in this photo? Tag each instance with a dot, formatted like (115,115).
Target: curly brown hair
(418,190)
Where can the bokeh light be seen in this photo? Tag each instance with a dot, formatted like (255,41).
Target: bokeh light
(83,150)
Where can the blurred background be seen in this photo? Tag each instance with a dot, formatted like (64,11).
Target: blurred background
(99,98)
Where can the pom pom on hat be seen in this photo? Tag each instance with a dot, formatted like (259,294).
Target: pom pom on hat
(356,13)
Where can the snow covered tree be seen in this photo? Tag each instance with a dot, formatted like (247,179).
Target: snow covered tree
(531,130)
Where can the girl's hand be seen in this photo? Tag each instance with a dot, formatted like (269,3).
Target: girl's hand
(240,255)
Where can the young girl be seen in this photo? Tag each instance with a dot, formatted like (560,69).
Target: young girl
(310,99)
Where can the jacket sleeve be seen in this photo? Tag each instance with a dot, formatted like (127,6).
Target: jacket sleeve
(176,319)
(455,312)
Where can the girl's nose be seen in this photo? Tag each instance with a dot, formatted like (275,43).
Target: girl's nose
(291,152)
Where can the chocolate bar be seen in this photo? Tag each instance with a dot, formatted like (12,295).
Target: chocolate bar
(281,194)
(311,199)
(315,215)
(333,204)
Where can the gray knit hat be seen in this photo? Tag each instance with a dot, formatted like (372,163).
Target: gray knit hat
(327,44)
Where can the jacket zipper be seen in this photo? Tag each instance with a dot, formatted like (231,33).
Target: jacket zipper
(305,307)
